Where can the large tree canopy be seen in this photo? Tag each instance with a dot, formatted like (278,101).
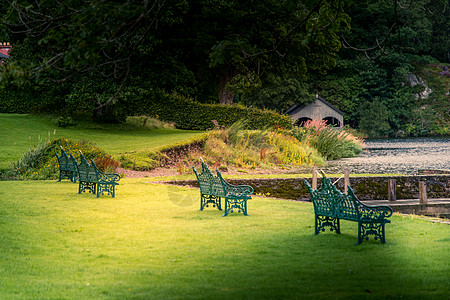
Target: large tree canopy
(64,40)
(227,45)
(388,42)
(265,53)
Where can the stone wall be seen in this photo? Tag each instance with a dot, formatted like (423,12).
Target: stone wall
(366,188)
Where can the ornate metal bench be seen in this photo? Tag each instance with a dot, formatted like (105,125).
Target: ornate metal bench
(67,166)
(94,181)
(214,188)
(331,205)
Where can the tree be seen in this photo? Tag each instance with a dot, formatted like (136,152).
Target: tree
(253,39)
(236,43)
(381,27)
(78,39)
(374,120)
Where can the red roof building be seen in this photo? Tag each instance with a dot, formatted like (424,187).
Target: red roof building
(4,50)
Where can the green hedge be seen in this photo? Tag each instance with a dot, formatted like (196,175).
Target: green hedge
(188,114)
(185,113)
(13,100)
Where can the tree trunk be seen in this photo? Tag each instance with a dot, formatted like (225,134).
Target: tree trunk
(225,96)
(104,114)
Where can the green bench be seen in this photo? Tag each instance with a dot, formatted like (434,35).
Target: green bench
(214,188)
(94,181)
(331,205)
(67,166)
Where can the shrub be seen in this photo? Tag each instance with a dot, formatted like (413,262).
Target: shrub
(16,100)
(65,121)
(148,122)
(41,163)
(330,142)
(257,148)
(106,164)
(191,115)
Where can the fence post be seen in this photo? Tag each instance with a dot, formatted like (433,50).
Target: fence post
(314,178)
(392,190)
(346,180)
(423,199)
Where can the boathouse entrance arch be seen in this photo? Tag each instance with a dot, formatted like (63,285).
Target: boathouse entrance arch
(318,109)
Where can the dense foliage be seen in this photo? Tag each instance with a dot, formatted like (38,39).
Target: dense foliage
(256,149)
(41,163)
(188,114)
(330,143)
(110,59)
(385,65)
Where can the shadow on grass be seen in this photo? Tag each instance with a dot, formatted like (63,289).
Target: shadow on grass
(282,265)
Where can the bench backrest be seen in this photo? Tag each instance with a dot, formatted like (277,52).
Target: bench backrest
(66,162)
(329,201)
(209,183)
(63,159)
(86,171)
(72,163)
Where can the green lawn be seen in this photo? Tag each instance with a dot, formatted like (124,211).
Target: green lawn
(151,242)
(19,132)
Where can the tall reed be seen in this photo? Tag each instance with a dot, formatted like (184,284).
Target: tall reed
(330,142)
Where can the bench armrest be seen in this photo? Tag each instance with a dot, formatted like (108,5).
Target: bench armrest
(371,212)
(308,186)
(374,213)
(105,177)
(235,190)
(108,177)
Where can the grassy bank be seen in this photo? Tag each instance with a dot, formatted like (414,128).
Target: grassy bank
(151,242)
(20,132)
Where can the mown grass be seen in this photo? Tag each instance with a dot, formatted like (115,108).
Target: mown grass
(20,132)
(151,242)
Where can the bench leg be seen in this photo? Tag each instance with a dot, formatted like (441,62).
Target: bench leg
(322,222)
(245,208)
(110,189)
(316,225)
(73,177)
(239,204)
(215,201)
(227,207)
(202,201)
(359,234)
(367,229)
(91,187)
(338,225)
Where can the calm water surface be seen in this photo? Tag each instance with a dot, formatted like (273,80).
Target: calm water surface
(404,156)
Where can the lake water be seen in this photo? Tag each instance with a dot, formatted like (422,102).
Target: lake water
(404,156)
